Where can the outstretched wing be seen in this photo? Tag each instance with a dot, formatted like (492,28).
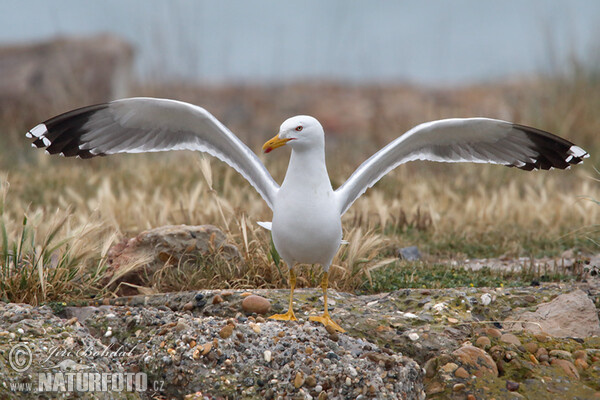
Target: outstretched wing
(479,140)
(140,125)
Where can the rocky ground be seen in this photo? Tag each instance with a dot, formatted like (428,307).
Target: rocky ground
(465,344)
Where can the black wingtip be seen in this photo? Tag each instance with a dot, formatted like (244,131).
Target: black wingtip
(554,151)
(61,134)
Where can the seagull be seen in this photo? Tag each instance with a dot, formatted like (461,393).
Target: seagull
(306,226)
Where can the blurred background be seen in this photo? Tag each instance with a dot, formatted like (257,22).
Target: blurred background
(368,71)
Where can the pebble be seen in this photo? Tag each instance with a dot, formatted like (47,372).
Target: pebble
(226,331)
(108,333)
(562,354)
(452,320)
(348,381)
(510,339)
(531,347)
(471,397)
(413,336)
(483,342)
(493,332)
(461,373)
(581,363)
(256,304)
(449,368)
(566,366)
(267,355)
(310,381)
(189,306)
(458,387)
(512,386)
(217,299)
(299,380)
(486,299)
(541,337)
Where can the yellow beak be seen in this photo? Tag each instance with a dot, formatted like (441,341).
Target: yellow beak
(274,143)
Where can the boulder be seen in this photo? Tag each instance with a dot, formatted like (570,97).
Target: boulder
(132,260)
(568,315)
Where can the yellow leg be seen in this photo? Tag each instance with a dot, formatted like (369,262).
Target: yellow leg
(325,319)
(289,315)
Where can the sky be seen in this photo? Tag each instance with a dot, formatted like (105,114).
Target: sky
(430,42)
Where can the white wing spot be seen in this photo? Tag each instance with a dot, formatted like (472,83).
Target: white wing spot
(38,131)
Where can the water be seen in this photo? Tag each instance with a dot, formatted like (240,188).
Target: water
(429,42)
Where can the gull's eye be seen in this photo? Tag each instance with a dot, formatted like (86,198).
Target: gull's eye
(298,128)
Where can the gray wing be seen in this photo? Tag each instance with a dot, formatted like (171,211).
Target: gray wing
(140,125)
(479,140)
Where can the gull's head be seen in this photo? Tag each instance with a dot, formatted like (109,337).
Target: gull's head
(301,132)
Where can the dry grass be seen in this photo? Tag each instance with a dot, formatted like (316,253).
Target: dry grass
(79,208)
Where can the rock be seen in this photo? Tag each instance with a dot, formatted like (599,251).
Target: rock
(267,355)
(226,331)
(512,386)
(449,367)
(299,380)
(483,342)
(531,347)
(568,315)
(476,361)
(562,354)
(217,299)
(493,332)
(256,304)
(461,373)
(458,387)
(310,381)
(165,246)
(580,354)
(580,363)
(510,339)
(409,253)
(567,367)
(486,299)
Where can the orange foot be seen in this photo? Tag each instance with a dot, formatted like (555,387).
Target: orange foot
(288,316)
(326,320)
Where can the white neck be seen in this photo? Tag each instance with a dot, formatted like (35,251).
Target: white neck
(307,169)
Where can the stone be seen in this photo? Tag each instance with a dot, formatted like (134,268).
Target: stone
(531,347)
(567,366)
(226,331)
(493,332)
(256,304)
(458,387)
(471,397)
(476,361)
(580,363)
(449,368)
(410,253)
(510,339)
(562,354)
(299,380)
(267,355)
(512,386)
(568,315)
(217,299)
(483,342)
(580,354)
(486,299)
(310,381)
(461,373)
(169,245)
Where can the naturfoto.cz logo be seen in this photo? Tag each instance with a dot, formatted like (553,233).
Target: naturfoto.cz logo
(73,376)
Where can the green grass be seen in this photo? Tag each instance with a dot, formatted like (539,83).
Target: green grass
(401,275)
